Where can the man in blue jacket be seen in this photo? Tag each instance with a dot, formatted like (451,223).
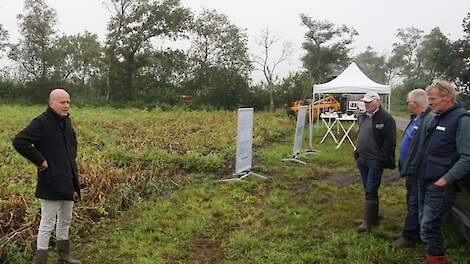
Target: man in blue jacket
(421,116)
(50,143)
(443,160)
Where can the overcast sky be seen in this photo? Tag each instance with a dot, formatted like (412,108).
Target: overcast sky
(376,20)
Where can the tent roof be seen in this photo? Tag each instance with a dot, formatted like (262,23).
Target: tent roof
(352,80)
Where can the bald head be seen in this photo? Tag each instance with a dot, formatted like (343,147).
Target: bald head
(59,101)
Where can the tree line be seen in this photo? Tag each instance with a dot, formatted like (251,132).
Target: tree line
(130,67)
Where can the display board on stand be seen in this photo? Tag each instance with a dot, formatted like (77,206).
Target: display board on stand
(299,132)
(311,116)
(244,152)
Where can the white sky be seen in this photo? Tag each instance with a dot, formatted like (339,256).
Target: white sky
(375,20)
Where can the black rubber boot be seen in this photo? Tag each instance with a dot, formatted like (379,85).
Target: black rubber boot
(63,246)
(404,242)
(41,256)
(371,216)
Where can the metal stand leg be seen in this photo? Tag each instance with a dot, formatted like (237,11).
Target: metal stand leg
(240,176)
(256,175)
(294,159)
(310,151)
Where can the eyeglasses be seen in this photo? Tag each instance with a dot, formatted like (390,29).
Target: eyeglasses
(441,87)
(438,84)
(444,88)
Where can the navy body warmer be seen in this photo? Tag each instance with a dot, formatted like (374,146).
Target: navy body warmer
(440,151)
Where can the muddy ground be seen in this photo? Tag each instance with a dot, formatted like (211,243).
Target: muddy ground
(389,177)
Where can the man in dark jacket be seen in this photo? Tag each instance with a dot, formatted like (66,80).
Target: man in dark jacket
(50,143)
(412,141)
(443,160)
(375,151)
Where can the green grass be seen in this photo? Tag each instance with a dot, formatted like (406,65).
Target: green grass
(169,208)
(125,156)
(297,216)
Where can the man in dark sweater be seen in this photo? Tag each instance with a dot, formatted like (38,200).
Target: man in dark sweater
(50,143)
(375,151)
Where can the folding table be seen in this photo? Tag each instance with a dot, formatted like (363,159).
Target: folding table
(332,119)
(346,119)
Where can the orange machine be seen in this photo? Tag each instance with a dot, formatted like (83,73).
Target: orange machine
(325,104)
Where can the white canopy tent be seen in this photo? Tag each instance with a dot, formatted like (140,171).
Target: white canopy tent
(352,81)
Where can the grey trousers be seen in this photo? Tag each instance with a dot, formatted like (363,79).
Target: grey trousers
(56,214)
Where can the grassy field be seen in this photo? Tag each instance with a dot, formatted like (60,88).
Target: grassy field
(151,195)
(124,156)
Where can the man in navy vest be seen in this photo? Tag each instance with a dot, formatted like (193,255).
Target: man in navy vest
(443,160)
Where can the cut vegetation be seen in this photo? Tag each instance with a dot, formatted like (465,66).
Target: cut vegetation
(151,195)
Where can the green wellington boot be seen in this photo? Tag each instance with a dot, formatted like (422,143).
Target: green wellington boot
(63,246)
(41,256)
(371,216)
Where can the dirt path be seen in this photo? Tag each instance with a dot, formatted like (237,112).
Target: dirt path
(389,177)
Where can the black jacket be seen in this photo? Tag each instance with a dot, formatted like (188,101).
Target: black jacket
(385,136)
(52,138)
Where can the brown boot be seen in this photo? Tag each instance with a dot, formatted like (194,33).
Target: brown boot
(41,256)
(371,215)
(437,259)
(63,246)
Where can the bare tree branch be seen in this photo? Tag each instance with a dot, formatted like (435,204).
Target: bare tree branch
(266,62)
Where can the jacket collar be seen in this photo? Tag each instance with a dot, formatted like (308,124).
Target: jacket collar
(422,114)
(51,112)
(452,108)
(377,113)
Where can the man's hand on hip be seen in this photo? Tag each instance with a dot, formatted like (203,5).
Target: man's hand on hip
(43,166)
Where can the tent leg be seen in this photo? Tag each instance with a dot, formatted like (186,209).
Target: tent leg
(389,95)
